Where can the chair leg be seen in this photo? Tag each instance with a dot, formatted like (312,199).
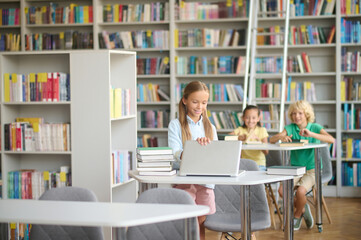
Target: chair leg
(326,210)
(270,206)
(276,205)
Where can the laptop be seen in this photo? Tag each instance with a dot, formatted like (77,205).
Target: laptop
(218,158)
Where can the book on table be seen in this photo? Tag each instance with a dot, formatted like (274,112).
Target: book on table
(154,150)
(155,169)
(294,143)
(156,173)
(158,158)
(286,170)
(154,164)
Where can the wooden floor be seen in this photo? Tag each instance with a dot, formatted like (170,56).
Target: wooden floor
(346,224)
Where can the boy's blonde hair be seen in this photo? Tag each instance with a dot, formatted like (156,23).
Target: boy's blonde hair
(304,106)
(192,87)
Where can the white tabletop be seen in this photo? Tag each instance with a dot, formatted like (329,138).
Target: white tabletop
(270,146)
(247,178)
(94,213)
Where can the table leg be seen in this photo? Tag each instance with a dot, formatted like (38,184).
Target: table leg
(319,190)
(288,209)
(121,233)
(189,232)
(245,212)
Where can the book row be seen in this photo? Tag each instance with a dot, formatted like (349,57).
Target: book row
(273,35)
(59,14)
(269,118)
(311,34)
(311,7)
(153,119)
(36,136)
(9,42)
(9,16)
(153,66)
(210,65)
(207,37)
(350,7)
(268,90)
(121,164)
(350,31)
(350,61)
(351,148)
(300,91)
(119,102)
(69,39)
(147,12)
(225,119)
(217,92)
(271,8)
(350,89)
(147,140)
(351,117)
(37,87)
(269,64)
(31,184)
(351,174)
(151,93)
(203,11)
(134,39)
(299,63)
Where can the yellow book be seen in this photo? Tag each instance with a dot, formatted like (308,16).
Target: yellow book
(348,7)
(7,87)
(117,102)
(111,93)
(1,17)
(343,91)
(116,13)
(349,147)
(293,91)
(86,14)
(176,37)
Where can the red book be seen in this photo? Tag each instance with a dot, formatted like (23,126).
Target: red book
(90,13)
(18,137)
(55,85)
(120,13)
(304,59)
(49,89)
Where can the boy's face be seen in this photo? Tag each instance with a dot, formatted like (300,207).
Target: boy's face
(299,117)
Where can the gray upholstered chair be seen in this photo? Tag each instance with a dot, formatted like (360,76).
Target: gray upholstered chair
(326,176)
(227,217)
(57,232)
(167,230)
(273,158)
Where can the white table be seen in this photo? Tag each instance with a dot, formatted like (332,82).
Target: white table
(244,181)
(284,160)
(76,213)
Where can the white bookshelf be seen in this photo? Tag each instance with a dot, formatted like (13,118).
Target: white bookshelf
(93,133)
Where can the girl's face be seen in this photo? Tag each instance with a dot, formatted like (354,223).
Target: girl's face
(299,118)
(251,118)
(196,103)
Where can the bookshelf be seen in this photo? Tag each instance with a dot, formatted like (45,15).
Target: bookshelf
(94,134)
(325,60)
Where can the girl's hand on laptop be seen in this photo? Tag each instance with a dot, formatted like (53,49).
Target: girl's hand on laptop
(203,141)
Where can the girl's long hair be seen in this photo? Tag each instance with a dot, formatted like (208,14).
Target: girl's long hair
(192,87)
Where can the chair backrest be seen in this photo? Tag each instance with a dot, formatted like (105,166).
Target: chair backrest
(274,158)
(56,232)
(326,165)
(165,230)
(228,202)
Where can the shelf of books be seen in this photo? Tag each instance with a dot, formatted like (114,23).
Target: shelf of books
(349,166)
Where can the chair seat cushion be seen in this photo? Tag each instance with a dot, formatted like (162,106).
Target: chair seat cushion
(232,222)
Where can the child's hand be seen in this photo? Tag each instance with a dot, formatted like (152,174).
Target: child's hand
(242,137)
(203,141)
(305,133)
(287,138)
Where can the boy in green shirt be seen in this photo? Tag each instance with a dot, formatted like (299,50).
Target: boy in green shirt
(302,127)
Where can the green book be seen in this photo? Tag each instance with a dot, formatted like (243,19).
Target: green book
(154,150)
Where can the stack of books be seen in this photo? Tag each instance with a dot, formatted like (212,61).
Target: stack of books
(155,161)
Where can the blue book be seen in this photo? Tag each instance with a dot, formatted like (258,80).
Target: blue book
(289,89)
(121,166)
(359,174)
(345,112)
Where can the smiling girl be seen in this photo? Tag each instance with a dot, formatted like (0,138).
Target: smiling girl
(193,124)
